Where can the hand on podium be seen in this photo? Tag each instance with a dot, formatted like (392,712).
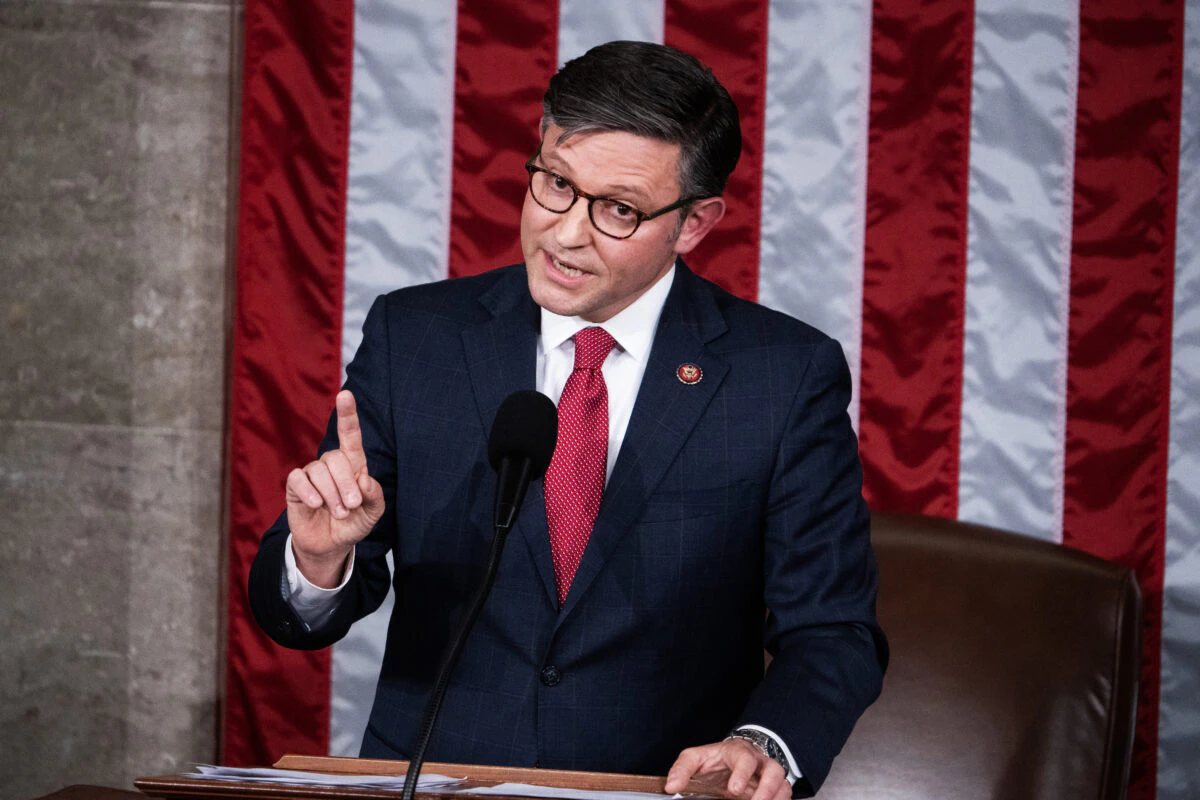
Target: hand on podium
(733,768)
(333,503)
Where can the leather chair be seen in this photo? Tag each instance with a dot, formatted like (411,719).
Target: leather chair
(1014,670)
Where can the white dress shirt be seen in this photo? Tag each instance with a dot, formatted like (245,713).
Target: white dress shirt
(633,330)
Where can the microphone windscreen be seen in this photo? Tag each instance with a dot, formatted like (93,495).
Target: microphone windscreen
(526,426)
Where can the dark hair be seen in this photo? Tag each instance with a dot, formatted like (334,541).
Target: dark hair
(654,91)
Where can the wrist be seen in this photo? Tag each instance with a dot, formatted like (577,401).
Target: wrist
(324,570)
(763,743)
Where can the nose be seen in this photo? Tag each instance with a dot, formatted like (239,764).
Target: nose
(573,228)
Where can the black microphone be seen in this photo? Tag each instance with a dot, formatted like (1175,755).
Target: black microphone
(519,449)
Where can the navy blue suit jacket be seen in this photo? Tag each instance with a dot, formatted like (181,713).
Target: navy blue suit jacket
(733,519)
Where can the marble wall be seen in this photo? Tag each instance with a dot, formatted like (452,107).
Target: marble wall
(114,139)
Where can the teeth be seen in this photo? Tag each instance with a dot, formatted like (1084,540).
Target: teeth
(569,271)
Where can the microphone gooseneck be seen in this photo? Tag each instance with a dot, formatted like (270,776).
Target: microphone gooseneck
(520,447)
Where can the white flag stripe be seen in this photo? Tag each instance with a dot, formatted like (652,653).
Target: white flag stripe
(815,168)
(401,127)
(397,234)
(1024,78)
(583,24)
(353,674)
(1179,703)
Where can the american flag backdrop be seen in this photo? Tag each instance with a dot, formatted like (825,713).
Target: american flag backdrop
(993,205)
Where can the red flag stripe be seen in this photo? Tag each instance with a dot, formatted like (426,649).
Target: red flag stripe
(730,36)
(497,107)
(915,255)
(286,340)
(1122,284)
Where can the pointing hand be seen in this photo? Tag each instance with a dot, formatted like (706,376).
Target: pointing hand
(333,503)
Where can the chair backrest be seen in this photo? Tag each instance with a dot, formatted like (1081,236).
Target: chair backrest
(1014,670)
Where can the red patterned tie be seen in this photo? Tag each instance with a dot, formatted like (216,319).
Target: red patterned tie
(575,480)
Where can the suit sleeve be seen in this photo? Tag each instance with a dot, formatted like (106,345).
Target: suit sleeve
(368,377)
(820,579)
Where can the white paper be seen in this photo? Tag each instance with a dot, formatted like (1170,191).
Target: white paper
(531,790)
(301,778)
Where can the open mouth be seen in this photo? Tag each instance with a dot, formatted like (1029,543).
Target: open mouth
(565,268)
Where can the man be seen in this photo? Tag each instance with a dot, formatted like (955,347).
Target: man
(705,472)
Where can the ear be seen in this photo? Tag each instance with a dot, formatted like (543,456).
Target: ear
(705,214)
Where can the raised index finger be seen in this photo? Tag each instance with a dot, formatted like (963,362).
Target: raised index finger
(349,433)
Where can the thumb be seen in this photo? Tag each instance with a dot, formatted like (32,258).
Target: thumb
(372,493)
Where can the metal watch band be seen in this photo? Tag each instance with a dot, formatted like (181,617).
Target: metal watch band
(765,743)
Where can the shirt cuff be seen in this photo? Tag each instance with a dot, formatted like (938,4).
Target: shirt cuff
(309,601)
(793,772)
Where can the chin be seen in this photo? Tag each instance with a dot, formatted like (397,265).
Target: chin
(561,308)
(549,298)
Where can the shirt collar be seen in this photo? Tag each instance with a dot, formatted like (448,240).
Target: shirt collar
(632,328)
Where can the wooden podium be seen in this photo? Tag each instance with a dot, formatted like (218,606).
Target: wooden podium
(173,787)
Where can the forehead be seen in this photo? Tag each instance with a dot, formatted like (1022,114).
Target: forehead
(602,162)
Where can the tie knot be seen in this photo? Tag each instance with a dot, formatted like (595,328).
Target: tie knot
(592,346)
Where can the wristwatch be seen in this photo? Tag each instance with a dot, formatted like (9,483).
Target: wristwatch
(766,744)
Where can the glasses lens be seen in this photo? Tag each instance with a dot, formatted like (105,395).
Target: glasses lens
(615,219)
(551,190)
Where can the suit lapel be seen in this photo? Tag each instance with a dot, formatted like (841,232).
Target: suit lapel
(664,414)
(501,357)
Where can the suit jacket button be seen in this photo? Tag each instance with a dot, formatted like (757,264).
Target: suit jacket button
(551,676)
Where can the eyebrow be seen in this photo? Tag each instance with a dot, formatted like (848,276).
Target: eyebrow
(612,192)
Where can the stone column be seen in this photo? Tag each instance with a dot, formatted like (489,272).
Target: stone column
(114,139)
